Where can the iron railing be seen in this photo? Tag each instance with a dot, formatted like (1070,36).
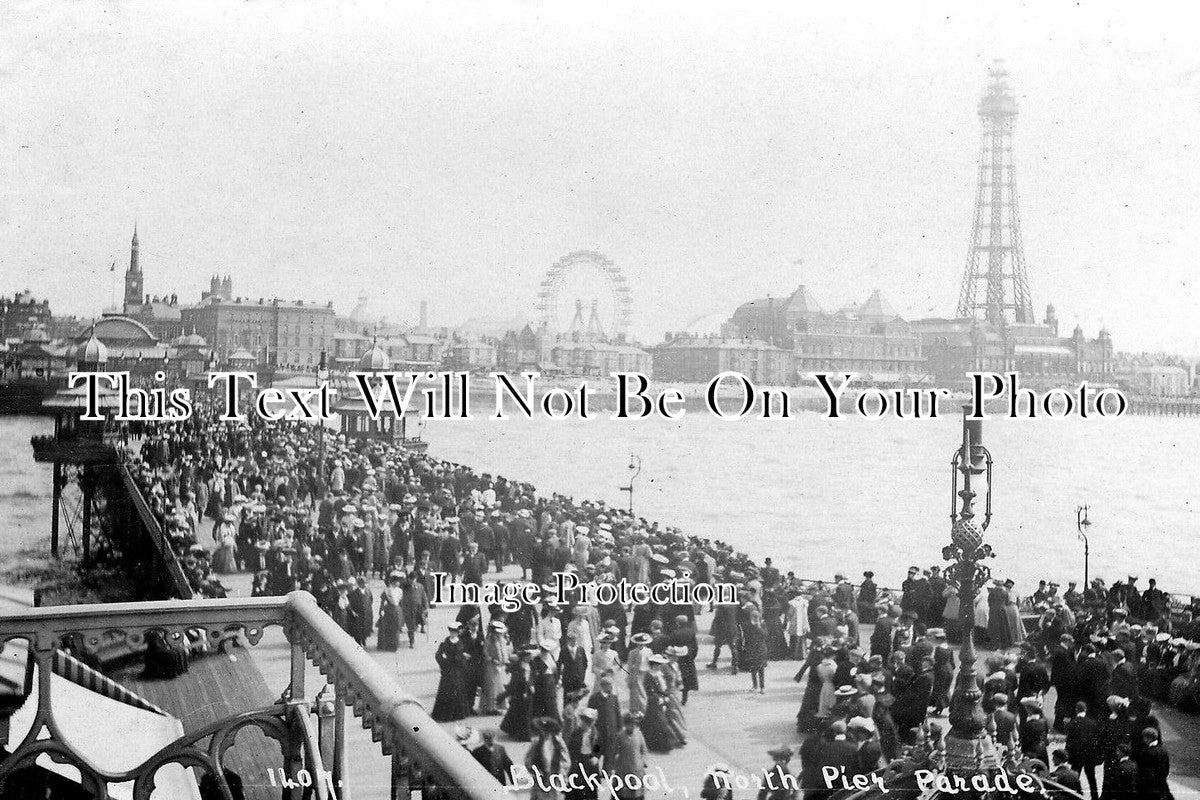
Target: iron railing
(176,579)
(311,733)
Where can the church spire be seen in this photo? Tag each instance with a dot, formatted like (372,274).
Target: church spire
(133,252)
(133,276)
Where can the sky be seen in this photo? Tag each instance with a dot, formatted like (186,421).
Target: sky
(453,152)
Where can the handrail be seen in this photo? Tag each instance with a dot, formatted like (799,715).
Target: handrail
(387,708)
(162,544)
(395,718)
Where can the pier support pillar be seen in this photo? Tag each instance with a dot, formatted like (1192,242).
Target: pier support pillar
(339,742)
(85,485)
(401,790)
(55,503)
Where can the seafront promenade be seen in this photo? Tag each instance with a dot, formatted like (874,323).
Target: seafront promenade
(727,724)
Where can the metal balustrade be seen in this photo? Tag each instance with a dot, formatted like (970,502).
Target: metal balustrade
(311,734)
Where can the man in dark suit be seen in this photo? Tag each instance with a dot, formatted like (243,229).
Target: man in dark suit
(1064,678)
(881,637)
(1005,721)
(494,758)
(573,664)
(1121,777)
(474,565)
(1084,750)
(1093,681)
(608,718)
(839,750)
(1154,765)
(1064,776)
(1123,680)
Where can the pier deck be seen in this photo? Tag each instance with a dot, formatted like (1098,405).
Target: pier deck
(726,723)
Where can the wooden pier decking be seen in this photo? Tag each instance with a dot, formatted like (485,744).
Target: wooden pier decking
(726,723)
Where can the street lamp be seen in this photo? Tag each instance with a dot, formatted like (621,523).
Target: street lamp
(969,748)
(1082,523)
(322,379)
(635,469)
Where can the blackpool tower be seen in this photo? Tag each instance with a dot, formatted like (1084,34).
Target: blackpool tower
(995,286)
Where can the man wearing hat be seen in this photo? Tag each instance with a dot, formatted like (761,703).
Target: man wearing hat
(494,758)
(883,637)
(718,785)
(573,662)
(778,783)
(867,594)
(362,609)
(585,749)
(607,706)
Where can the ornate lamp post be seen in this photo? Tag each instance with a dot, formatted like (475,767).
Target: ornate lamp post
(635,469)
(1083,523)
(969,748)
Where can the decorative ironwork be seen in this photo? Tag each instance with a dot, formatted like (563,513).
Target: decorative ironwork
(311,734)
(969,749)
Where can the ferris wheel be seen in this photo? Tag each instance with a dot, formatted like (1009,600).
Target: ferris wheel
(619,303)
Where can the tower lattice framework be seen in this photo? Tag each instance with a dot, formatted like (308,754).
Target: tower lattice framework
(995,281)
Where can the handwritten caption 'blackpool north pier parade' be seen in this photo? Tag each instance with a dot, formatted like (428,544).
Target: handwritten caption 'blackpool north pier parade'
(447,396)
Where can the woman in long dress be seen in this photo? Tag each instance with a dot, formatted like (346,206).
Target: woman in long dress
(1014,626)
(545,684)
(549,628)
(752,651)
(656,728)
(806,718)
(224,559)
(390,615)
(997,596)
(452,703)
(823,673)
(496,651)
(518,694)
(547,757)
(951,612)
(674,679)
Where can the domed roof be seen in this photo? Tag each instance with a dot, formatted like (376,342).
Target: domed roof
(36,336)
(241,354)
(192,339)
(368,311)
(93,351)
(374,360)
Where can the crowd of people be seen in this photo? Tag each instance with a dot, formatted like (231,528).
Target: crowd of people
(597,688)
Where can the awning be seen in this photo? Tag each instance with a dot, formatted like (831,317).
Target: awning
(81,674)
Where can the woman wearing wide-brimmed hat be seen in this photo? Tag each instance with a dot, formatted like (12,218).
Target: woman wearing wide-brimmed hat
(518,694)
(452,702)
(547,758)
(497,649)
(661,737)
(391,615)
